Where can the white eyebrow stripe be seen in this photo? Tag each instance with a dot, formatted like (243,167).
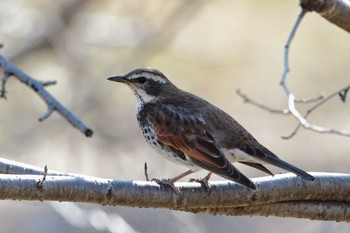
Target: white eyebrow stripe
(150,76)
(156,78)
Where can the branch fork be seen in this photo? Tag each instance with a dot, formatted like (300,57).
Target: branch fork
(319,100)
(39,87)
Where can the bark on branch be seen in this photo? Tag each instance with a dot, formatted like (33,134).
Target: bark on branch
(326,198)
(335,11)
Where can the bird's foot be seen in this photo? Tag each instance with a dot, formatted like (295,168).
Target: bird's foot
(168,182)
(204,183)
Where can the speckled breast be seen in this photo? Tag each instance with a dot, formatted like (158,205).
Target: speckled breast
(150,136)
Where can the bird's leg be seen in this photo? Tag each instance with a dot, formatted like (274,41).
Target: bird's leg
(171,182)
(204,181)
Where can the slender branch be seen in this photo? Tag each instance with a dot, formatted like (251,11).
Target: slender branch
(320,100)
(310,100)
(146,172)
(40,183)
(286,51)
(3,85)
(261,106)
(48,83)
(39,88)
(50,110)
(343,94)
(284,195)
(316,128)
(248,100)
(325,99)
(291,98)
(335,11)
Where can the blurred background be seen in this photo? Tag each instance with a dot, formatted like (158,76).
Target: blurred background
(210,48)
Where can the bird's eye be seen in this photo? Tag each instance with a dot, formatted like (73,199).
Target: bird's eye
(141,80)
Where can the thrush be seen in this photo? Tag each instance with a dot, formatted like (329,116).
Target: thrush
(190,131)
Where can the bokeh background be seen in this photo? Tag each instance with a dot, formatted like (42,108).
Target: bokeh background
(210,48)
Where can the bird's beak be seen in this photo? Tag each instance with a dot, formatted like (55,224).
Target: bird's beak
(120,79)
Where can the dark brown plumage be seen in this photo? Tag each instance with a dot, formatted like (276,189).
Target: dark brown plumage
(189,130)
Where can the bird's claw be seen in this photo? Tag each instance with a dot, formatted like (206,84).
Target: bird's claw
(204,183)
(168,182)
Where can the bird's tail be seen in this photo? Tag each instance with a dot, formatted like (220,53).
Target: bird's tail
(263,154)
(289,167)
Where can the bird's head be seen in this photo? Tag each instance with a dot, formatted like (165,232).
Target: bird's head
(147,84)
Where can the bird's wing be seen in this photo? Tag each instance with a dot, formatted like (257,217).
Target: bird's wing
(261,153)
(257,166)
(185,132)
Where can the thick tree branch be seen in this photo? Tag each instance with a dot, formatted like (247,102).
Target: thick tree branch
(39,87)
(335,11)
(283,195)
(328,192)
(315,210)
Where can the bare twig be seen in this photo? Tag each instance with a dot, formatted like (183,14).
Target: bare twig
(38,87)
(286,51)
(48,83)
(291,99)
(325,99)
(342,94)
(146,172)
(40,183)
(248,100)
(310,100)
(3,85)
(302,119)
(305,124)
(261,106)
(50,110)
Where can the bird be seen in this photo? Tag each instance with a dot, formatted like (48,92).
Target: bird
(192,132)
